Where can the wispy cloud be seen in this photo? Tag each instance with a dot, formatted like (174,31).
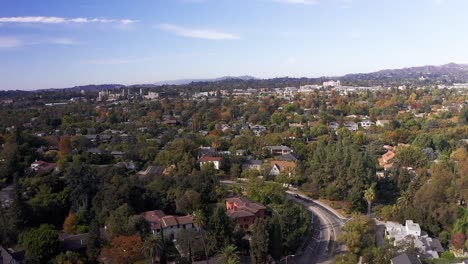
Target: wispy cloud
(20,41)
(63,41)
(63,20)
(9,42)
(198,33)
(300,2)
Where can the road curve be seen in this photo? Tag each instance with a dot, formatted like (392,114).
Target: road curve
(327,228)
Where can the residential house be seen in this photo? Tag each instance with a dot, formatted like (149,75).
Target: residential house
(9,256)
(279,166)
(367,124)
(351,126)
(289,157)
(241,152)
(333,125)
(296,125)
(244,211)
(279,150)
(405,258)
(382,123)
(386,161)
(252,165)
(40,166)
(430,247)
(216,161)
(258,129)
(170,225)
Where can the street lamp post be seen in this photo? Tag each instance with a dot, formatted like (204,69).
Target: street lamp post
(288,257)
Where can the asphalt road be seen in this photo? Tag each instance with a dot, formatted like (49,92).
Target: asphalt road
(322,247)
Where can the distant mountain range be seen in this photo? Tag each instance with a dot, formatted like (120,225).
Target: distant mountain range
(446,73)
(187,81)
(443,74)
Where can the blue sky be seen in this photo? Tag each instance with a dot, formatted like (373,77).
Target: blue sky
(57,43)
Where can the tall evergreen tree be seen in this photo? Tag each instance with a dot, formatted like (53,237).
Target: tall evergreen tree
(276,238)
(260,242)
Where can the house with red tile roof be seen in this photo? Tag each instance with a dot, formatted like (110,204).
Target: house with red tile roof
(170,225)
(244,211)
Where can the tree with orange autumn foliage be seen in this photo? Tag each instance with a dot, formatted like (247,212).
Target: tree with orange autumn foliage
(124,250)
(64,146)
(69,224)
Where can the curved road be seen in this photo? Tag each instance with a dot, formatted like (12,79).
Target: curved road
(322,247)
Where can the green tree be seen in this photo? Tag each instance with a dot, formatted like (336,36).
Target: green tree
(370,196)
(276,238)
(229,255)
(40,243)
(199,220)
(153,247)
(70,258)
(358,234)
(82,184)
(94,241)
(260,242)
(220,226)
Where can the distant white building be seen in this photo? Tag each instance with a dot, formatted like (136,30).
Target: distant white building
(290,91)
(332,84)
(151,96)
(306,89)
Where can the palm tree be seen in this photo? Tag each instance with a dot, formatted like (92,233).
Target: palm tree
(152,247)
(229,255)
(369,195)
(199,220)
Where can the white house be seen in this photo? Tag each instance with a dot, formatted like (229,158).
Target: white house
(431,247)
(351,126)
(216,161)
(367,124)
(382,123)
(334,125)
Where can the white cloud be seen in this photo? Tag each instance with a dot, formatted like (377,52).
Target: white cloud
(198,33)
(63,20)
(13,42)
(62,41)
(301,2)
(9,42)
